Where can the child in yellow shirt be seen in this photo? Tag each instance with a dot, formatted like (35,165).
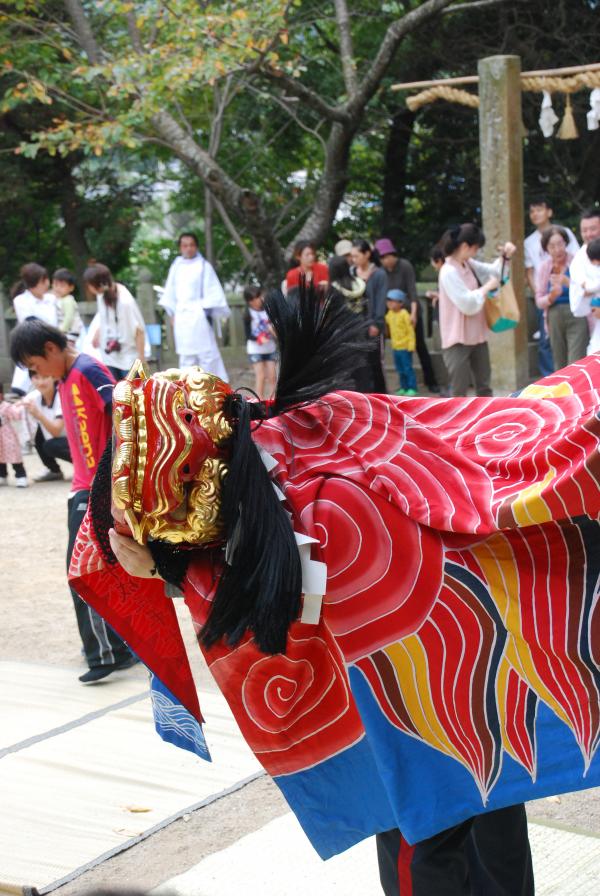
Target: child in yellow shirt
(401,332)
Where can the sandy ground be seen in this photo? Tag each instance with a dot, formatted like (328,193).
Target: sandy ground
(39,625)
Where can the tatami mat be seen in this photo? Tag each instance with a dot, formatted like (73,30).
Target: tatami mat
(278,859)
(87,771)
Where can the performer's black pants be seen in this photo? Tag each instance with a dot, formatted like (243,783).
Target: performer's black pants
(488,855)
(50,449)
(101,645)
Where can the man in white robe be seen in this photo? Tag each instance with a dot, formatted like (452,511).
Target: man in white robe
(194,299)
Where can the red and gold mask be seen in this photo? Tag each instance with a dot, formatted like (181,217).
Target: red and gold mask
(170,455)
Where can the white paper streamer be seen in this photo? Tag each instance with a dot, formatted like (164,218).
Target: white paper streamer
(593,116)
(548,117)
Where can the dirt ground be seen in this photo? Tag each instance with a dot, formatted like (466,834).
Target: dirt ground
(39,624)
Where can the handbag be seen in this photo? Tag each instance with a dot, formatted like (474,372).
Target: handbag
(501,308)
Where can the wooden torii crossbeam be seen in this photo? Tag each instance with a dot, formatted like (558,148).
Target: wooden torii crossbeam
(474,79)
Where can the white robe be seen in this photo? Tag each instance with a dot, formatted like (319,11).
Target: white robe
(192,288)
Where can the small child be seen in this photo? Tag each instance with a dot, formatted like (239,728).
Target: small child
(69,319)
(402,336)
(10,446)
(260,344)
(593,289)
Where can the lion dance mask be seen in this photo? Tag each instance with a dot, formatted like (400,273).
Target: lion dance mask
(170,455)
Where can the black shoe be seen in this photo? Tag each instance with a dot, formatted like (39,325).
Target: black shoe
(98,673)
(434,389)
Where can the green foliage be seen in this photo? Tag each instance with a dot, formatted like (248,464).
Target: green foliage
(223,65)
(143,56)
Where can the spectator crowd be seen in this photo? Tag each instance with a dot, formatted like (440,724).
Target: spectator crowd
(60,396)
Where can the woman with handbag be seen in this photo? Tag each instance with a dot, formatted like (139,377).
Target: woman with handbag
(464,284)
(367,267)
(569,335)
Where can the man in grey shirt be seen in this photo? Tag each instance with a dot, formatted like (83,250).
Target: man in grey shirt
(401,275)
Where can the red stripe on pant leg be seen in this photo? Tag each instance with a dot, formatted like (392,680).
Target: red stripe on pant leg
(405,854)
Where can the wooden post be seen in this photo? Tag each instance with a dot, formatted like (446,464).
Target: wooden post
(6,364)
(501,163)
(145,296)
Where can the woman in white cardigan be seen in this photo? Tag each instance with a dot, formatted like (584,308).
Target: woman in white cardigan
(464,284)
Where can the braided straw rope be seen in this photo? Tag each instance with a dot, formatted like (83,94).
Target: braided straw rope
(450,94)
(570,84)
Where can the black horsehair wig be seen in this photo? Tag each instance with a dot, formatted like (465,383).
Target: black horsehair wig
(261,584)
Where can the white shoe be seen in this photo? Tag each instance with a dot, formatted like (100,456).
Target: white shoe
(21,481)
(3,480)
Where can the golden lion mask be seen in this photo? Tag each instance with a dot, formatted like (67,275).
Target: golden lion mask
(170,440)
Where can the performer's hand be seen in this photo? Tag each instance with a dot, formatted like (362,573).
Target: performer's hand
(135,558)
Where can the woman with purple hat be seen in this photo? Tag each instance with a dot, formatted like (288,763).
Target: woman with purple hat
(401,275)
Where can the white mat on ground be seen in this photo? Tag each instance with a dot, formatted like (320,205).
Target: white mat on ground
(86,760)
(279,859)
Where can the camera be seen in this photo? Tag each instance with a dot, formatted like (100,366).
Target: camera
(112,345)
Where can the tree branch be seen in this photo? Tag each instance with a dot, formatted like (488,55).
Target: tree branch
(308,96)
(392,39)
(346,50)
(83,30)
(460,7)
(134,33)
(291,112)
(235,236)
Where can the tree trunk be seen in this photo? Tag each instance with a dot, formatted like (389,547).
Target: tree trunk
(209,250)
(70,206)
(394,176)
(332,185)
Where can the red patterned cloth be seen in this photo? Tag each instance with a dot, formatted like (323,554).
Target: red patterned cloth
(460,627)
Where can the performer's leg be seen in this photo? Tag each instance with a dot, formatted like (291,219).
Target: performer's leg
(437,865)
(499,854)
(101,644)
